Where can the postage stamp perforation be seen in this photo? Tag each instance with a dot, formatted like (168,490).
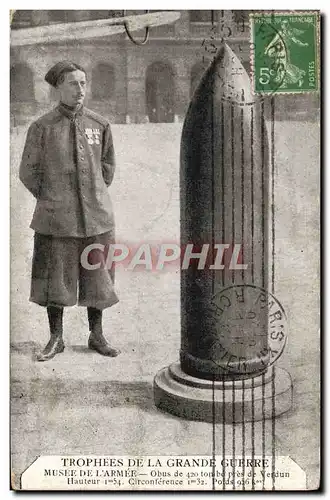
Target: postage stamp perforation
(272,70)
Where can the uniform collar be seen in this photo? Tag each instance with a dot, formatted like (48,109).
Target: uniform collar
(70,112)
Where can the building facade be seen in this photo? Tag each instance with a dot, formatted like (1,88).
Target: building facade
(129,83)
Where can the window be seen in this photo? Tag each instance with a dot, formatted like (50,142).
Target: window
(160,93)
(21,83)
(103,82)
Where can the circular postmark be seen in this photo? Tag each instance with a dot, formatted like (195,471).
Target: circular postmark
(249,329)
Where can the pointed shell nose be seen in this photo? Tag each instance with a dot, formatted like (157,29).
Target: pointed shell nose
(227,78)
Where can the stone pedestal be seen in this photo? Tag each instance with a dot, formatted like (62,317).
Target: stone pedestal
(234,401)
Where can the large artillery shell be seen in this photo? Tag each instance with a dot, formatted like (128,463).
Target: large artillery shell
(224,199)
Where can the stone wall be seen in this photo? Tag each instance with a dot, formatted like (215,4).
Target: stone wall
(149,83)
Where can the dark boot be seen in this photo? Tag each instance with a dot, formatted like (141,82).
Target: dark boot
(55,344)
(96,339)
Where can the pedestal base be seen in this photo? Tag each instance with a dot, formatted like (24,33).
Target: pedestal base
(262,397)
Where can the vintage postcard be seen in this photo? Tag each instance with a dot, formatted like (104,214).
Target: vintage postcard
(165,263)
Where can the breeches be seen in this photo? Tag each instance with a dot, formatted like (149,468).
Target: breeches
(59,279)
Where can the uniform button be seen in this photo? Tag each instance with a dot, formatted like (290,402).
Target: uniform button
(82,158)
(81,146)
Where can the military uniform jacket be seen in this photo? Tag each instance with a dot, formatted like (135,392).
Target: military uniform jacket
(68,164)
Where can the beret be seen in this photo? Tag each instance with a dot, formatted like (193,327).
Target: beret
(59,68)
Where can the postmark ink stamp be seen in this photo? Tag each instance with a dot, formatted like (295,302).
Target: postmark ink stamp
(248,320)
(284,52)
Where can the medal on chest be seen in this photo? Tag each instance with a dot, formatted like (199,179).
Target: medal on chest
(93,135)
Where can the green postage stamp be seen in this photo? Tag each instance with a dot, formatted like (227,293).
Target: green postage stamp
(284,51)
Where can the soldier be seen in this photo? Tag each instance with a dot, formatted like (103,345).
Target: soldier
(67,164)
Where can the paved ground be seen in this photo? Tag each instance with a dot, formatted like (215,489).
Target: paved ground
(82,403)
